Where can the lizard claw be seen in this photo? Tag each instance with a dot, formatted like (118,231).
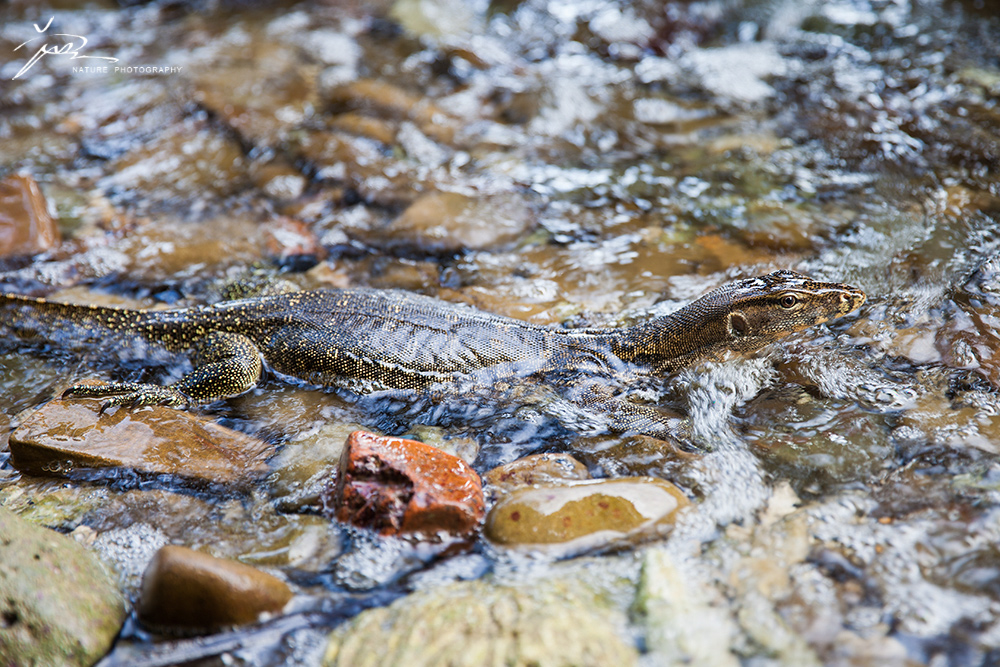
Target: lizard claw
(128,394)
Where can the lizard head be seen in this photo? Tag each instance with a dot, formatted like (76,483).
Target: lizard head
(764,309)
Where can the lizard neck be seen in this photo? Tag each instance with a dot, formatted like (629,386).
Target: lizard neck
(670,341)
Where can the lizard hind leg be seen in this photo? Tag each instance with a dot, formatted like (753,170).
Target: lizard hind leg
(225,365)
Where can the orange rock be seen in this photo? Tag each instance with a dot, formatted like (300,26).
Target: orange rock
(25,224)
(398,486)
(186,589)
(69,435)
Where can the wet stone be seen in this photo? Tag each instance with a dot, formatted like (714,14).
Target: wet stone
(452,222)
(683,626)
(278,180)
(303,466)
(232,89)
(586,515)
(396,487)
(26,227)
(57,605)
(53,503)
(67,438)
(480,623)
(365,126)
(355,161)
(383,100)
(170,246)
(183,589)
(187,163)
(536,469)
(814,443)
(638,455)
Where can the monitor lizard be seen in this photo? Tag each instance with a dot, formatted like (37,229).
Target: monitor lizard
(369,340)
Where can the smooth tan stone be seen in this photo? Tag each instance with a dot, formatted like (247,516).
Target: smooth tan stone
(186,589)
(584,516)
(65,436)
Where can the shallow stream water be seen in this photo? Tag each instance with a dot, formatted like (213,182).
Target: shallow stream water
(616,160)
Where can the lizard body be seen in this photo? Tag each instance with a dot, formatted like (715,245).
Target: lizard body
(370,340)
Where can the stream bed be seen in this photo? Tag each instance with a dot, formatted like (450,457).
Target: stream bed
(572,163)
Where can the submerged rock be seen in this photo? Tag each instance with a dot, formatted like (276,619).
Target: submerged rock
(305,464)
(380,99)
(536,469)
(187,590)
(451,222)
(636,456)
(71,437)
(587,515)
(25,224)
(187,163)
(684,620)
(397,486)
(57,605)
(479,623)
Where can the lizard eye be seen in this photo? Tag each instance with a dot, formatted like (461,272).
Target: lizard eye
(789,301)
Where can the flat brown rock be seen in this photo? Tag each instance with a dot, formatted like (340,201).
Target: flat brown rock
(398,486)
(71,435)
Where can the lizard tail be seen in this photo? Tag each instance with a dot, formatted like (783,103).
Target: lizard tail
(38,318)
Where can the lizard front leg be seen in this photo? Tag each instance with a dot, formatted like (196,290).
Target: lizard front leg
(225,365)
(624,416)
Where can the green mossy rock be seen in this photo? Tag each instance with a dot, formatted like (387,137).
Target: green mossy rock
(57,604)
(477,623)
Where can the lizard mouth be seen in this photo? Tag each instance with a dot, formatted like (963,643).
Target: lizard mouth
(851,300)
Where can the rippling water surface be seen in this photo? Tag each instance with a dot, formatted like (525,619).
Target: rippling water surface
(614,160)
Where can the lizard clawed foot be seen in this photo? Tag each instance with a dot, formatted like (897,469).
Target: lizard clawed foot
(132,394)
